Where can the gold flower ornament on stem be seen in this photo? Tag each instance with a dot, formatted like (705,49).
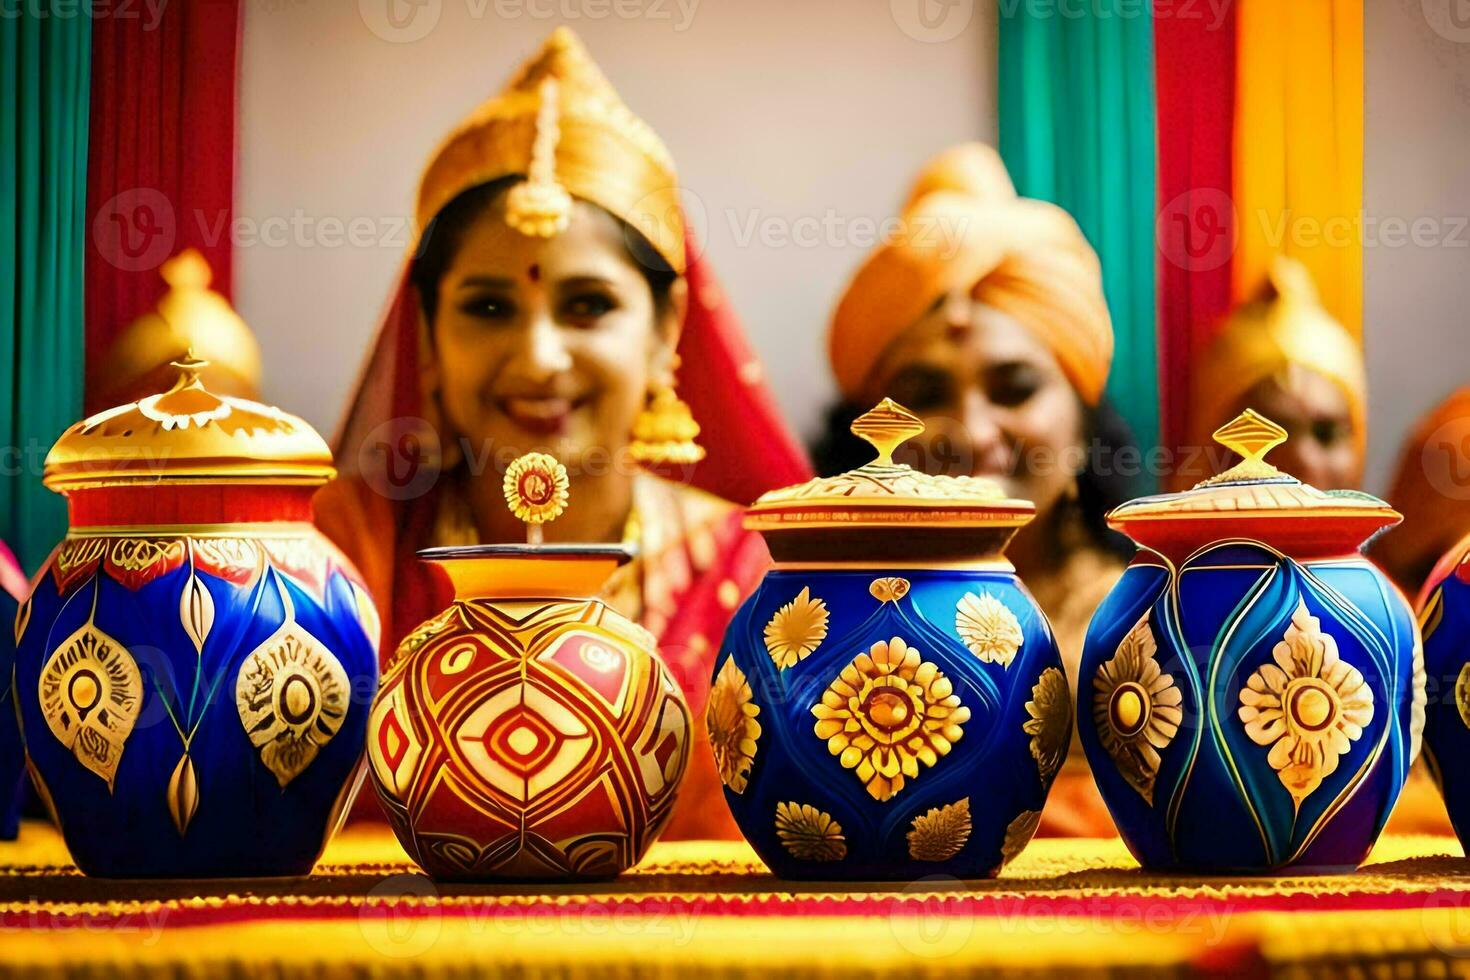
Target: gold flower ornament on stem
(536,492)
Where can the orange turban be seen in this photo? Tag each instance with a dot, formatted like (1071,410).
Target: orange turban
(1285,326)
(1428,491)
(965,228)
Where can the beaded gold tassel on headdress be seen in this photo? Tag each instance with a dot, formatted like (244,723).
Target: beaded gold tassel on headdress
(539,206)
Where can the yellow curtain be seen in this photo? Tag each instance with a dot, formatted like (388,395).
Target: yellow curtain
(1299,146)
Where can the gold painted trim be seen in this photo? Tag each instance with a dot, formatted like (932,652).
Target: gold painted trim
(251,529)
(62,481)
(860,565)
(912,519)
(1290,513)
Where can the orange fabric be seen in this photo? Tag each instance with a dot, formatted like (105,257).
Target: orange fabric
(964,228)
(1430,488)
(1299,155)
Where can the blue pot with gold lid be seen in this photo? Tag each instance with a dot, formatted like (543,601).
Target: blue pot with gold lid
(889,703)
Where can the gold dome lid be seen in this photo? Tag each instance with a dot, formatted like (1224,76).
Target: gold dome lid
(1255,499)
(188,434)
(887,494)
(189,317)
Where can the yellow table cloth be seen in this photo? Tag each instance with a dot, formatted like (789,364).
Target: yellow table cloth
(711,909)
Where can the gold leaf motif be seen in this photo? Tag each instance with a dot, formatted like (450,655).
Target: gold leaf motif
(809,834)
(796,630)
(1418,700)
(988,627)
(138,554)
(1462,694)
(183,793)
(91,692)
(1018,834)
(22,620)
(887,714)
(733,730)
(1136,708)
(1309,706)
(889,589)
(196,611)
(1050,724)
(292,695)
(940,834)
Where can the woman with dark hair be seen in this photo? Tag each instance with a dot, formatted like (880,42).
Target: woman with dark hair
(985,316)
(546,306)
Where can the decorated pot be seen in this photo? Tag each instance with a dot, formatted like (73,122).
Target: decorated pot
(889,703)
(195,663)
(1445,618)
(1252,689)
(529,731)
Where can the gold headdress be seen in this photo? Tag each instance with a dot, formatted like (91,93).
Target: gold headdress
(1285,326)
(561,126)
(964,227)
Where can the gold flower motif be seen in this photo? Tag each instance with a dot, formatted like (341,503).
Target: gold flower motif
(989,629)
(889,589)
(1309,706)
(939,834)
(1136,707)
(1018,834)
(1462,694)
(733,730)
(809,834)
(1050,724)
(536,488)
(886,713)
(797,629)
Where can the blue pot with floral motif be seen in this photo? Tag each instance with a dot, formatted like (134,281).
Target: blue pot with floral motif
(196,663)
(1251,691)
(889,703)
(1445,618)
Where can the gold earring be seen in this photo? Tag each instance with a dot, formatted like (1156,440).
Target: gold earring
(665,430)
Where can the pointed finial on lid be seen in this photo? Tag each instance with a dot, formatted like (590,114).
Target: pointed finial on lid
(1251,435)
(885,427)
(189,367)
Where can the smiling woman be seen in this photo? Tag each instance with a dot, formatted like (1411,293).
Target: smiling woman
(544,309)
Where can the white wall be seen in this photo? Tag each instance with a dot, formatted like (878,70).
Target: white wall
(792,114)
(1416,168)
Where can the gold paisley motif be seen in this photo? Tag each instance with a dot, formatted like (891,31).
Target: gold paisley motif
(183,794)
(1462,694)
(809,834)
(91,692)
(940,834)
(137,554)
(988,627)
(1309,706)
(196,611)
(1136,708)
(292,694)
(1050,724)
(796,630)
(889,589)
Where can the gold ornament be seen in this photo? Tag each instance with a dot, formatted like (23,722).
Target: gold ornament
(183,793)
(1050,724)
(940,834)
(1018,834)
(889,712)
(1309,706)
(538,206)
(733,730)
(808,833)
(665,430)
(796,630)
(536,488)
(889,589)
(988,627)
(1136,707)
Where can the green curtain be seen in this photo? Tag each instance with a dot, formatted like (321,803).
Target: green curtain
(45,71)
(1076,97)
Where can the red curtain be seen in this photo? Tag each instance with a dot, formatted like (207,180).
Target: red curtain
(161,167)
(1196,233)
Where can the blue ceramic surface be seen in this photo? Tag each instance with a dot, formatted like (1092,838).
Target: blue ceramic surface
(959,794)
(196,708)
(1275,727)
(1446,620)
(12,751)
